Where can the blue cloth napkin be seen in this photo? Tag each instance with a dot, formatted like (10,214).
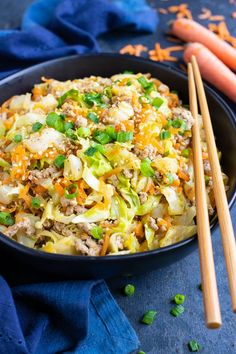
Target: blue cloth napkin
(63,317)
(56,28)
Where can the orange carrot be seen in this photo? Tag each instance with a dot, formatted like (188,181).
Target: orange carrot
(212,69)
(191,31)
(105,243)
(40,189)
(59,189)
(139,229)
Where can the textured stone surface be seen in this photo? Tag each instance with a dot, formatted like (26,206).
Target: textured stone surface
(154,290)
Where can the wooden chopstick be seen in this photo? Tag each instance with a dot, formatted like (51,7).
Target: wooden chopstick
(210,293)
(227,232)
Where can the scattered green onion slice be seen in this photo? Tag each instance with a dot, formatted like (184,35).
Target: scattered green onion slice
(194,346)
(56,121)
(73,94)
(36,127)
(129,290)
(71,191)
(108,91)
(157,102)
(6,219)
(83,132)
(128,83)
(179,299)
(91,151)
(146,168)
(127,72)
(101,137)
(177,123)
(35,202)
(97,232)
(93,117)
(185,153)
(177,310)
(70,133)
(59,161)
(146,85)
(141,352)
(69,125)
(110,130)
(92,99)
(123,137)
(149,317)
(165,134)
(17,138)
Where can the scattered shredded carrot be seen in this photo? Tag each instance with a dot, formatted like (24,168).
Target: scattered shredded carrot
(217,18)
(161,54)
(24,194)
(222,31)
(115,171)
(19,162)
(105,243)
(136,49)
(181,11)
(81,193)
(40,190)
(183,175)
(163,11)
(139,232)
(59,189)
(205,15)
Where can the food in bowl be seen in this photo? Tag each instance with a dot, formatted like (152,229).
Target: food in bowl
(98,166)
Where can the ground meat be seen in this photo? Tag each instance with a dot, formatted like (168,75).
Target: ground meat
(88,247)
(36,175)
(68,109)
(68,202)
(182,113)
(48,224)
(23,225)
(149,151)
(143,196)
(152,223)
(113,180)
(207,167)
(127,173)
(81,121)
(72,206)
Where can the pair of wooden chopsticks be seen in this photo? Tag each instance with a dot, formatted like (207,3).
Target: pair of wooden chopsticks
(210,293)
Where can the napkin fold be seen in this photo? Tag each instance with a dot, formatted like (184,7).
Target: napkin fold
(63,317)
(57,28)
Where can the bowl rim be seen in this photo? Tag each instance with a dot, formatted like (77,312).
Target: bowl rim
(112,258)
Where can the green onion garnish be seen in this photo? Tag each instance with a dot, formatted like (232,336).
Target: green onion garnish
(123,137)
(149,317)
(127,72)
(71,191)
(6,219)
(141,352)
(91,151)
(157,102)
(165,134)
(69,125)
(94,99)
(73,94)
(129,290)
(35,202)
(70,133)
(194,346)
(110,130)
(56,121)
(146,168)
(177,310)
(146,85)
(59,161)
(83,132)
(108,91)
(179,299)
(185,153)
(17,138)
(101,137)
(93,117)
(128,83)
(36,127)
(97,232)
(177,123)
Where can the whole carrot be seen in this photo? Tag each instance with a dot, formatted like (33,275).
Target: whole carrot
(212,69)
(191,31)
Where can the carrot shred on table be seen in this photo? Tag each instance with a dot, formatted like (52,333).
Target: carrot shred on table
(216,18)
(135,49)
(162,11)
(233,14)
(222,31)
(163,54)
(181,11)
(206,13)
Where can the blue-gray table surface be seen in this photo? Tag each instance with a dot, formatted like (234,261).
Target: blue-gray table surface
(154,290)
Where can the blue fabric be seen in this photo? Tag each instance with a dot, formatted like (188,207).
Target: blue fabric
(65,317)
(56,28)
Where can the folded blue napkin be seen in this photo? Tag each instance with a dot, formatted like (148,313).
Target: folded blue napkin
(56,28)
(63,317)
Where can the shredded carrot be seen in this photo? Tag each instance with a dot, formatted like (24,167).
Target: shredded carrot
(139,232)
(161,54)
(108,174)
(105,243)
(81,193)
(162,11)
(59,189)
(136,49)
(24,194)
(37,92)
(217,18)
(206,13)
(181,11)
(183,175)
(204,155)
(19,162)
(176,182)
(40,189)
(222,31)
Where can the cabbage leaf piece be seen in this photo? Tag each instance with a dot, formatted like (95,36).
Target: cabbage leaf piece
(177,233)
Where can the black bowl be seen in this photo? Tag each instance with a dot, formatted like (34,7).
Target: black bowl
(107,65)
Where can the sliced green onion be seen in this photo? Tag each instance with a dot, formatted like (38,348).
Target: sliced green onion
(110,130)
(108,91)
(102,137)
(73,94)
(36,127)
(91,151)
(127,72)
(179,299)
(146,85)
(194,346)
(56,121)
(169,123)
(6,219)
(94,99)
(170,178)
(97,232)
(123,137)
(177,310)
(70,133)
(35,202)
(93,117)
(149,317)
(177,123)
(157,102)
(59,161)
(69,125)
(128,83)
(100,148)
(83,132)
(141,352)
(17,138)
(165,134)
(185,153)
(146,168)
(129,290)
(71,191)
